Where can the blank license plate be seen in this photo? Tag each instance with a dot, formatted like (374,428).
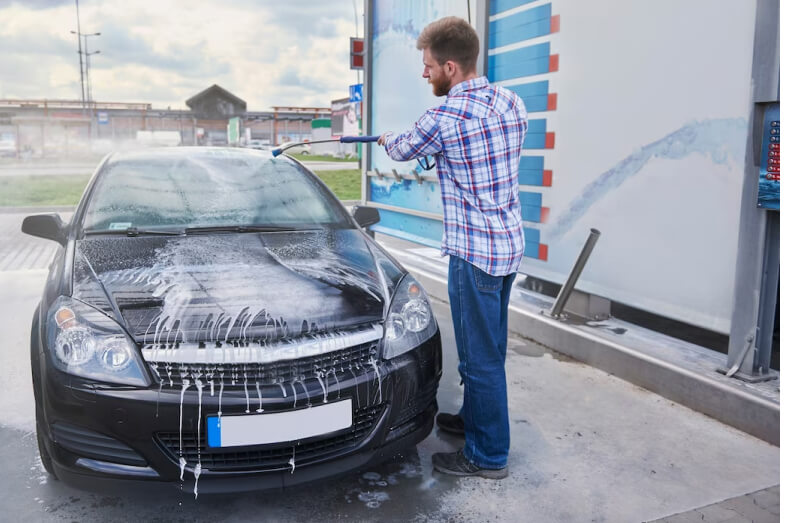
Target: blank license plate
(278,427)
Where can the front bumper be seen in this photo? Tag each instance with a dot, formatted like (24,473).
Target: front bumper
(113,432)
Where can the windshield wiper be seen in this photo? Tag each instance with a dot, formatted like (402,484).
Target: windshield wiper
(241,228)
(135,231)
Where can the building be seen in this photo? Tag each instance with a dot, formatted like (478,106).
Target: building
(57,128)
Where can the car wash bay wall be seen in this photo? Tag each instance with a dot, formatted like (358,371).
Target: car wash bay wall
(638,123)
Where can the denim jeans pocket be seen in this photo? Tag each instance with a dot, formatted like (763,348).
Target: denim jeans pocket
(485,282)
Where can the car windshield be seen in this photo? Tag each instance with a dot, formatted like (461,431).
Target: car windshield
(208,189)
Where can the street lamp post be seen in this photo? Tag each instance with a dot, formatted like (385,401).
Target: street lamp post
(87,92)
(87,66)
(78,32)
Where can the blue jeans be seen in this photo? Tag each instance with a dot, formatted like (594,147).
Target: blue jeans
(479,314)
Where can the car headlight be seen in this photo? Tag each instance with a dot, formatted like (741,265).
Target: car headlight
(409,320)
(87,343)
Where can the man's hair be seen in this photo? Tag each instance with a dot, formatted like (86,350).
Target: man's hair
(451,38)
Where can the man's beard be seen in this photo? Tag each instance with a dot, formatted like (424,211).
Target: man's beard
(440,86)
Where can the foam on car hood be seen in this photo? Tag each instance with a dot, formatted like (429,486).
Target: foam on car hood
(218,288)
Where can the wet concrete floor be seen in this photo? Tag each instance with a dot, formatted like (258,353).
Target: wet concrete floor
(586,446)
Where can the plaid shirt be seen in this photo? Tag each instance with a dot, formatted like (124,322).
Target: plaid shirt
(476,136)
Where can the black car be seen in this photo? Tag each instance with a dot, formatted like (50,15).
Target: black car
(216,317)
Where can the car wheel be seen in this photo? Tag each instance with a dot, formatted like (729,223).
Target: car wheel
(46,459)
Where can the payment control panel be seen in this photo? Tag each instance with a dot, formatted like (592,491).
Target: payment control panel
(769,174)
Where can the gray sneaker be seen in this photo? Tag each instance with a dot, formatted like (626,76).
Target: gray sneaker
(456,464)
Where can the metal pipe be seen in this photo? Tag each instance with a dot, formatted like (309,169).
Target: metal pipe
(569,285)
(737,365)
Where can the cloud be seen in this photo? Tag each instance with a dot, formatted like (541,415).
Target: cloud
(164,51)
(190,59)
(35,4)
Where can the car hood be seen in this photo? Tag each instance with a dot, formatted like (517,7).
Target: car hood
(235,287)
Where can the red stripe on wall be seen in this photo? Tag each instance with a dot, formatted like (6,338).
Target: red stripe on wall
(543,252)
(550,140)
(555,23)
(552,101)
(553,63)
(547,178)
(545,212)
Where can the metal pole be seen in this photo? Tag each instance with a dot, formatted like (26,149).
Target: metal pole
(367,97)
(482,23)
(87,90)
(769,289)
(752,237)
(569,285)
(356,32)
(79,40)
(86,71)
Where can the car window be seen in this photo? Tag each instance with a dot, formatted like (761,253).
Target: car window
(202,190)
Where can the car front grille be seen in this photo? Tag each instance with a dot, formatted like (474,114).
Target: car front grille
(269,457)
(239,375)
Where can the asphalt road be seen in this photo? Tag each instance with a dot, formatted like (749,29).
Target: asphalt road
(586,446)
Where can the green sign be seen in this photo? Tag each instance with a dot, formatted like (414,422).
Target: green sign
(233,131)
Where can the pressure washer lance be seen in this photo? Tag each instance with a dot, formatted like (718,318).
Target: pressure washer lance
(342,139)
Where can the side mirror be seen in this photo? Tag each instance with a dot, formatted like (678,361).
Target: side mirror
(365,216)
(48,226)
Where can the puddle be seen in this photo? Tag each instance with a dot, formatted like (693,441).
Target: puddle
(523,348)
(403,478)
(531,349)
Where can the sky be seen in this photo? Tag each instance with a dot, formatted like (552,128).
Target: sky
(290,53)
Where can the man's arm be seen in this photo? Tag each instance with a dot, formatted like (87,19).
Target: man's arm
(422,140)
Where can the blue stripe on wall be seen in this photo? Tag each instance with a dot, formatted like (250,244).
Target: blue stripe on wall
(530,198)
(498,6)
(534,95)
(534,141)
(413,228)
(530,170)
(536,126)
(527,61)
(531,213)
(536,104)
(530,89)
(508,58)
(532,250)
(520,26)
(531,205)
(532,162)
(429,232)
(531,236)
(530,177)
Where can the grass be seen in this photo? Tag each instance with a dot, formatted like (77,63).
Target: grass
(346,183)
(32,191)
(322,158)
(37,191)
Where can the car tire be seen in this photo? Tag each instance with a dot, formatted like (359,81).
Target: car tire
(46,459)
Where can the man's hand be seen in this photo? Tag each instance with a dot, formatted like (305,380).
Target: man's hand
(382,138)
